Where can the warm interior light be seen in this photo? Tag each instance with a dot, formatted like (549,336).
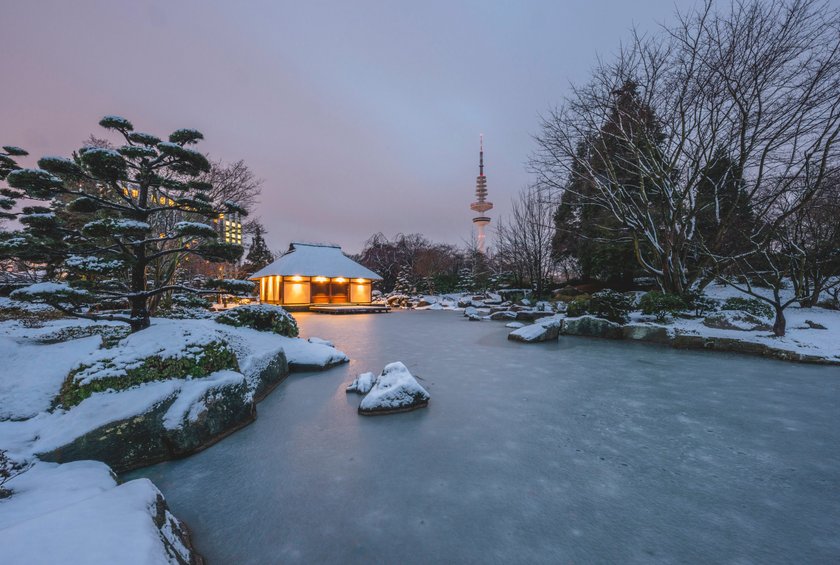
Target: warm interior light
(340,279)
(320,279)
(361,281)
(297,278)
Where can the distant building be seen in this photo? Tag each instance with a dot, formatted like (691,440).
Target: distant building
(229,226)
(481,205)
(310,274)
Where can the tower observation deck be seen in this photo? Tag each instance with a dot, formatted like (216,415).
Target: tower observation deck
(481,206)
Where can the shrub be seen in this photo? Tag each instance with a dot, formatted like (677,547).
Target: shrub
(186,306)
(260,317)
(702,304)
(577,306)
(752,306)
(662,304)
(9,469)
(196,361)
(611,305)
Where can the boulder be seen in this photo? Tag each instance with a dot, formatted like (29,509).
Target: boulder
(590,326)
(503,315)
(205,411)
(642,332)
(514,325)
(362,384)
(182,419)
(532,315)
(395,390)
(264,379)
(470,311)
(547,329)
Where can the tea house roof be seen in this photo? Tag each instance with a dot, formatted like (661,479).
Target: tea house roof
(316,260)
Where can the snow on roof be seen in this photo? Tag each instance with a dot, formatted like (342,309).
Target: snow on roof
(316,260)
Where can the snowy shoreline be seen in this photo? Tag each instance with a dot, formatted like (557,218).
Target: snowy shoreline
(73,450)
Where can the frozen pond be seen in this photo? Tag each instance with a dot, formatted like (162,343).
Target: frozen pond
(579,451)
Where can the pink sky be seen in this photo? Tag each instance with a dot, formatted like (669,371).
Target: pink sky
(359,116)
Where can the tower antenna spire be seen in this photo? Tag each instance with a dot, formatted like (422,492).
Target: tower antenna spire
(481,206)
(481,154)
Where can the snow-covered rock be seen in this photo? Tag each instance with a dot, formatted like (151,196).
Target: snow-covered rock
(77,513)
(514,325)
(318,340)
(362,384)
(590,326)
(545,329)
(395,390)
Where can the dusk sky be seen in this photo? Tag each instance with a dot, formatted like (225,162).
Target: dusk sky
(359,116)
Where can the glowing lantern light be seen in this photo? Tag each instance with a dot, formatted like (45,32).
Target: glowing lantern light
(297,278)
(361,281)
(320,279)
(340,280)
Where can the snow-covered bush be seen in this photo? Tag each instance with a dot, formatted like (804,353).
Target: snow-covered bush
(122,372)
(662,304)
(611,305)
(187,306)
(752,306)
(577,306)
(608,304)
(9,469)
(260,317)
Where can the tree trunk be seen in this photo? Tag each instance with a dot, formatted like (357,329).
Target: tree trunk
(780,323)
(137,299)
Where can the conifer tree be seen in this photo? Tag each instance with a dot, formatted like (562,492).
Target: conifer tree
(121,202)
(259,255)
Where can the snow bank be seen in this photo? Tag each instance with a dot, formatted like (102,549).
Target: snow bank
(77,513)
(32,373)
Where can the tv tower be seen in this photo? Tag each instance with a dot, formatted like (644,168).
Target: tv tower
(481,206)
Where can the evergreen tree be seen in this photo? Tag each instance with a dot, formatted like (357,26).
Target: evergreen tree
(258,255)
(466,280)
(117,204)
(404,284)
(585,229)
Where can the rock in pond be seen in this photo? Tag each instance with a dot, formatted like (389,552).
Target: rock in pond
(591,326)
(545,329)
(395,390)
(362,384)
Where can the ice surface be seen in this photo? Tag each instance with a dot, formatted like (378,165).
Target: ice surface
(578,450)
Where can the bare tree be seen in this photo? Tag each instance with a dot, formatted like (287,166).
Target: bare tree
(234,182)
(756,85)
(523,240)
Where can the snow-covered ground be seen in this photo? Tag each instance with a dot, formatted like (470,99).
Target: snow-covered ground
(75,511)
(801,337)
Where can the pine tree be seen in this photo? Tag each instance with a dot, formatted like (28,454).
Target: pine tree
(259,255)
(404,284)
(109,213)
(466,280)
